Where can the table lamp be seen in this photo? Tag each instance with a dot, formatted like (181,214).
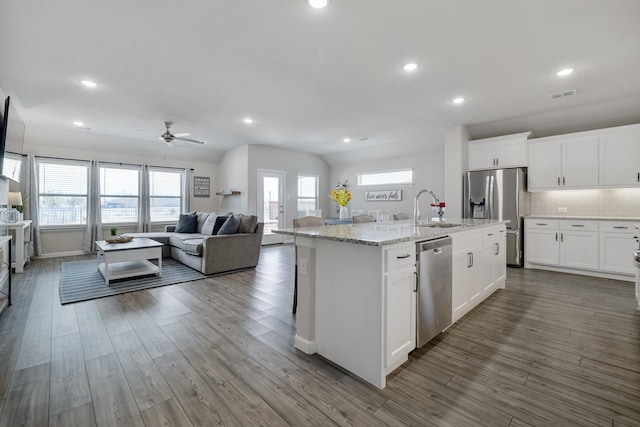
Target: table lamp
(15,199)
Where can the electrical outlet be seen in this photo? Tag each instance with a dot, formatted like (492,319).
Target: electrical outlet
(562,210)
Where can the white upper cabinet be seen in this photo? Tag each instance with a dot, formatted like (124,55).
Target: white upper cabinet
(500,152)
(620,159)
(563,163)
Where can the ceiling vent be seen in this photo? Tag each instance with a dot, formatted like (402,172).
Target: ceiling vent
(563,94)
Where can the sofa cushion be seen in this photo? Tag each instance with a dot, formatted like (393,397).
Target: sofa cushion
(192,247)
(187,223)
(219,222)
(202,217)
(248,223)
(231,225)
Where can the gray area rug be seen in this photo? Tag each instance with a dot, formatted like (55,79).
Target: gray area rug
(81,280)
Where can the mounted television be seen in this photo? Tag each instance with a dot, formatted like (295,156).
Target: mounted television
(3,131)
(11,133)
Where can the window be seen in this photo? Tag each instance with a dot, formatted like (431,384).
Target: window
(397,177)
(307,194)
(12,166)
(119,194)
(165,194)
(62,192)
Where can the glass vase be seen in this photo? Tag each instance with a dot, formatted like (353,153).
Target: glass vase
(344,212)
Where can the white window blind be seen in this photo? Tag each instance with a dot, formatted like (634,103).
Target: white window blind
(307,194)
(62,192)
(119,194)
(396,177)
(12,166)
(165,195)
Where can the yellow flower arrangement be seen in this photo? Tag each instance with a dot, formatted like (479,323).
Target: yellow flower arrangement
(341,197)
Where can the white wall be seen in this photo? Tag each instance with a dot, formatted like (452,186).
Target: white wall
(428,170)
(42,142)
(233,174)
(291,163)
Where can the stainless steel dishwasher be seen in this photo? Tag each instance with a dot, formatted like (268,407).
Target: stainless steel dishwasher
(434,288)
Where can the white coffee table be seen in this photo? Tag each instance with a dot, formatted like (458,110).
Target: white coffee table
(131,259)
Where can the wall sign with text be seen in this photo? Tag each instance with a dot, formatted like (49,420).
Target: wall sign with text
(201,186)
(388,195)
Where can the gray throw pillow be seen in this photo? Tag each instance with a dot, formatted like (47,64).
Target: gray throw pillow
(187,223)
(209,224)
(231,225)
(248,224)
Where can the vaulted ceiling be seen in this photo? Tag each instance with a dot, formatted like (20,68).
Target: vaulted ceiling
(310,78)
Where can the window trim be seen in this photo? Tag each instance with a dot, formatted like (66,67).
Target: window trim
(386,184)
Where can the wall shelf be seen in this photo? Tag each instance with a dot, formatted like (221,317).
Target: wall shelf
(228,193)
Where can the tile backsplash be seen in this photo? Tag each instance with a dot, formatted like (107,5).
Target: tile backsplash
(621,202)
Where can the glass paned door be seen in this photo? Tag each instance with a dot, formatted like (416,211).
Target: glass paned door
(271,204)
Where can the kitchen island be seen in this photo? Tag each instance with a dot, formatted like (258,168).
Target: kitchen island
(357,287)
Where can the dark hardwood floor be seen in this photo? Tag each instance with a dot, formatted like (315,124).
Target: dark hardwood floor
(551,349)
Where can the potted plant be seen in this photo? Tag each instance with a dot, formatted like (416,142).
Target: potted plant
(114,231)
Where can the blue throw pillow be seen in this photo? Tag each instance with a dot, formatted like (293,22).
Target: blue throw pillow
(231,225)
(187,223)
(219,222)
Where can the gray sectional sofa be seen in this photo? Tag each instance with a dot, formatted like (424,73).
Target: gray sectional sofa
(209,253)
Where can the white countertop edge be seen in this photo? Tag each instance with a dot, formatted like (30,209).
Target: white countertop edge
(385,233)
(592,218)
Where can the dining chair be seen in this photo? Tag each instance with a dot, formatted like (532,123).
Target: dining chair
(362,218)
(400,215)
(305,221)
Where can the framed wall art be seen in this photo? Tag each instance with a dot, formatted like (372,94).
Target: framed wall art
(201,186)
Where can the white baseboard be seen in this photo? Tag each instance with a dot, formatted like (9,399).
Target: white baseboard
(305,345)
(59,254)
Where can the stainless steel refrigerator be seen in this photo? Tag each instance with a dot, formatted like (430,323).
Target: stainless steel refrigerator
(500,194)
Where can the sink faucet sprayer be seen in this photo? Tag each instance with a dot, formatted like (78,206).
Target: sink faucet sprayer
(416,211)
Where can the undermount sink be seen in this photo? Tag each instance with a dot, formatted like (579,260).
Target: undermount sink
(439,225)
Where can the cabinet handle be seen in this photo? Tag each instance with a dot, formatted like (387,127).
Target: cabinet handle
(489,234)
(563,183)
(578,225)
(556,236)
(469,259)
(497,162)
(403,256)
(562,237)
(558,180)
(497,249)
(638,176)
(541,223)
(622,228)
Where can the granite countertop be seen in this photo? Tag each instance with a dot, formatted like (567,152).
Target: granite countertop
(593,218)
(385,233)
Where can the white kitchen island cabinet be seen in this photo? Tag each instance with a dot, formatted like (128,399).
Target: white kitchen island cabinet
(357,292)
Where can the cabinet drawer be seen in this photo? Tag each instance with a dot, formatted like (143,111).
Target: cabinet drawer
(466,240)
(577,225)
(399,257)
(551,224)
(616,227)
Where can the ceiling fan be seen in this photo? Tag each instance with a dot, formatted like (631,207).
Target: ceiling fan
(169,137)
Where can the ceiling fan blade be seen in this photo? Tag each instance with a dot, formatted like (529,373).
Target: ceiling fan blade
(189,140)
(180,135)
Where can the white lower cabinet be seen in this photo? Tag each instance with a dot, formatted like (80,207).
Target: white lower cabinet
(400,303)
(401,316)
(580,245)
(479,267)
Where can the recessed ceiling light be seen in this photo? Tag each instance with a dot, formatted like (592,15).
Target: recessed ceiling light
(318,4)
(564,72)
(412,66)
(459,100)
(247,120)
(78,124)
(88,83)
(346,140)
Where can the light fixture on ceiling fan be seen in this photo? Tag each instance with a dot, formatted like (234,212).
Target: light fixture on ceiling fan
(169,137)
